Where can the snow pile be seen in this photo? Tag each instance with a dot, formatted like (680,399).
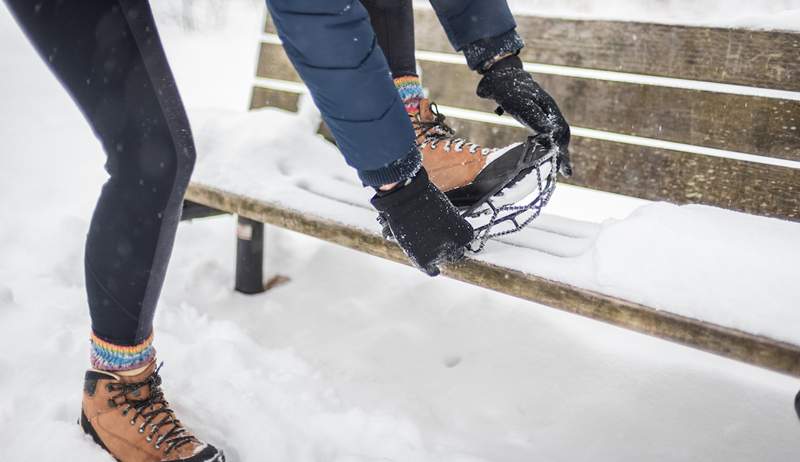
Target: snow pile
(730,268)
(356,359)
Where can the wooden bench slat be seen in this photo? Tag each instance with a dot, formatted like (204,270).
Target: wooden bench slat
(266,97)
(648,173)
(763,126)
(734,344)
(274,64)
(766,59)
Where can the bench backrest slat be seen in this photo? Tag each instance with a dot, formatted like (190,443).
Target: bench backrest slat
(749,124)
(766,59)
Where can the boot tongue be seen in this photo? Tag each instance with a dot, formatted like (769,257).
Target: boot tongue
(425,113)
(142,393)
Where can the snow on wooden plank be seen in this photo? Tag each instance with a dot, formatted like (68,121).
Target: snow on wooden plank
(727,269)
(753,349)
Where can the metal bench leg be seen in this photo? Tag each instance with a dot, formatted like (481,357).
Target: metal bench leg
(250,256)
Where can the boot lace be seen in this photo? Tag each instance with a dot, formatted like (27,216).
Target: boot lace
(153,412)
(436,131)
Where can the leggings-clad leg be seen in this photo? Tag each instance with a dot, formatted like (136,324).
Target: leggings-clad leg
(108,56)
(482,29)
(393,22)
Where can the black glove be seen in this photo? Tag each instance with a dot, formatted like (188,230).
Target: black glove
(425,224)
(515,91)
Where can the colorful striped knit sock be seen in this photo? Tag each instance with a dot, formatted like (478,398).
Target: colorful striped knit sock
(106,356)
(410,89)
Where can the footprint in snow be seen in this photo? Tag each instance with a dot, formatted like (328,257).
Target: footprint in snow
(6,296)
(451,361)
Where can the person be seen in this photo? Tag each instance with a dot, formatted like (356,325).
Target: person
(109,57)
(457,166)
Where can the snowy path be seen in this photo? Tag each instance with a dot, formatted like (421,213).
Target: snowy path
(364,362)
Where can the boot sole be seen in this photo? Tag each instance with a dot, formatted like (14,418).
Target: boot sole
(89,430)
(501,174)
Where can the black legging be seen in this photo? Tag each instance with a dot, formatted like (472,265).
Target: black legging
(108,55)
(393,22)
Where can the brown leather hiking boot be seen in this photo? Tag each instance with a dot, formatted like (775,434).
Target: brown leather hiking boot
(451,162)
(129,418)
(469,174)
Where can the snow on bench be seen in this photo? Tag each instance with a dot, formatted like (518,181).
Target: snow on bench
(714,279)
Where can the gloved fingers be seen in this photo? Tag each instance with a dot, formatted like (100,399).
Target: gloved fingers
(534,117)
(564,163)
(449,254)
(431,270)
(561,136)
(560,127)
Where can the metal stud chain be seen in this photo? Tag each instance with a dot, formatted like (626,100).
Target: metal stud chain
(546,185)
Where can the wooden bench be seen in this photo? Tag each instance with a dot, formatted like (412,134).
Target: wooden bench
(664,113)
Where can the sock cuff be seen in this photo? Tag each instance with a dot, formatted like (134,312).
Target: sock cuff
(411,92)
(107,356)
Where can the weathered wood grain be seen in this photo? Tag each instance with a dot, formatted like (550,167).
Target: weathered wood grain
(766,59)
(265,97)
(274,64)
(656,174)
(763,126)
(756,350)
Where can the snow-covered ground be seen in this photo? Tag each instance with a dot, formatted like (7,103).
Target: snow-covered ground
(356,359)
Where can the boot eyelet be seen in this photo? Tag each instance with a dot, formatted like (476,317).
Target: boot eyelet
(112,403)
(141,429)
(149,439)
(133,422)
(109,387)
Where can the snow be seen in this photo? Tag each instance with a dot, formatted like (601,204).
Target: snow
(755,14)
(781,15)
(356,359)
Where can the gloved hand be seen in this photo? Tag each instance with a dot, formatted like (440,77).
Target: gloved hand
(515,91)
(425,224)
